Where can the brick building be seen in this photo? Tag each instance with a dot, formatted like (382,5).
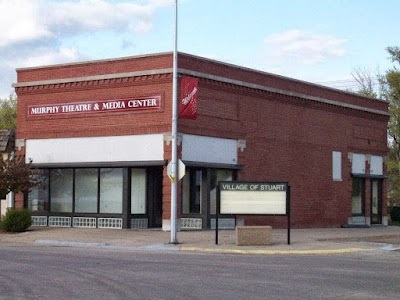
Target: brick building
(100,132)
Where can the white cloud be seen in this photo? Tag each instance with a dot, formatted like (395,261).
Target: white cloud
(19,22)
(34,30)
(29,20)
(142,26)
(45,56)
(303,47)
(96,15)
(27,57)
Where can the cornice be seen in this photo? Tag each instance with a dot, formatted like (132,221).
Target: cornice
(92,81)
(96,78)
(264,88)
(131,77)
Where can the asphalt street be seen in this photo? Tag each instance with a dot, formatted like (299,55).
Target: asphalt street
(32,272)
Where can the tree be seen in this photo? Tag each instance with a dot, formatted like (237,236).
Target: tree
(16,175)
(390,83)
(8,113)
(388,89)
(365,81)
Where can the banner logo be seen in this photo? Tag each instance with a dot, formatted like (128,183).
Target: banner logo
(188,100)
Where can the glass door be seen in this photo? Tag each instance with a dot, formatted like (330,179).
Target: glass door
(376,201)
(199,193)
(358,187)
(146,197)
(194,195)
(193,192)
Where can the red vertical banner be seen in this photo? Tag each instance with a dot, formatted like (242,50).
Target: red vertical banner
(188,99)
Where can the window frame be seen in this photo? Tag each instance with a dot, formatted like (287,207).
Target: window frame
(126,190)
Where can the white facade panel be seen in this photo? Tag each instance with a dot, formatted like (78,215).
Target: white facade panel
(358,164)
(209,149)
(96,149)
(376,165)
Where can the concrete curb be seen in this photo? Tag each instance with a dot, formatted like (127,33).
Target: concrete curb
(275,252)
(174,248)
(69,244)
(150,247)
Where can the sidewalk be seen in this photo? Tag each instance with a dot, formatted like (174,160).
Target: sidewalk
(303,241)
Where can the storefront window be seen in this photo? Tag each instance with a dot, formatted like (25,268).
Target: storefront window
(185,193)
(195,204)
(192,191)
(193,188)
(138,191)
(111,185)
(216,176)
(86,190)
(376,201)
(38,197)
(358,196)
(61,182)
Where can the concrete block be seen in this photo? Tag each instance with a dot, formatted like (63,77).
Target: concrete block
(253,235)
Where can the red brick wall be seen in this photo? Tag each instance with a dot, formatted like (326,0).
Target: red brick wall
(287,138)
(95,124)
(290,139)
(274,81)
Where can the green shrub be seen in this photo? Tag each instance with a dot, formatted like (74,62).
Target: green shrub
(16,220)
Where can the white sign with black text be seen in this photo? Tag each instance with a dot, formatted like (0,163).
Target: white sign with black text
(265,198)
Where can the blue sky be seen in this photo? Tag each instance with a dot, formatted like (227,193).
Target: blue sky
(319,41)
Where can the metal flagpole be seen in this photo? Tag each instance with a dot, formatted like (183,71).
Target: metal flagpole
(174,161)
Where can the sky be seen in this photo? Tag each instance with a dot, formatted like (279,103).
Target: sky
(320,41)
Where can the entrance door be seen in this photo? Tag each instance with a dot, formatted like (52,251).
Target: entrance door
(146,197)
(376,201)
(154,194)
(199,194)
(194,195)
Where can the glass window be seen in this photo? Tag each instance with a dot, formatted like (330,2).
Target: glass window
(358,164)
(138,191)
(195,204)
(216,176)
(186,192)
(337,166)
(111,190)
(192,186)
(376,166)
(86,188)
(61,181)
(376,201)
(38,196)
(358,196)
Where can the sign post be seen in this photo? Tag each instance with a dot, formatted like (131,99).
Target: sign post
(174,160)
